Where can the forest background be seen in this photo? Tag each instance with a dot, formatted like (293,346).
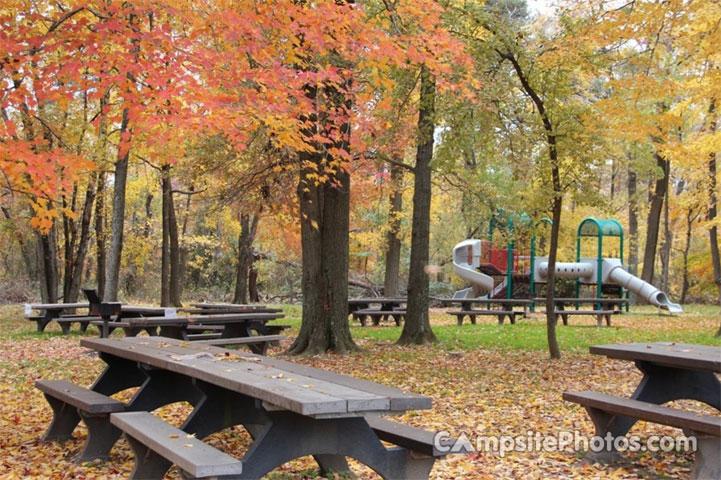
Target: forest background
(168,151)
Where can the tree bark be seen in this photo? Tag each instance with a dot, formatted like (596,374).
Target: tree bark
(72,293)
(112,276)
(47,258)
(100,235)
(654,219)
(417,327)
(632,223)
(30,263)
(690,218)
(665,253)
(712,213)
(324,220)
(248,229)
(393,240)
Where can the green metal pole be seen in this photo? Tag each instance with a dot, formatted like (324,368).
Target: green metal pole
(599,262)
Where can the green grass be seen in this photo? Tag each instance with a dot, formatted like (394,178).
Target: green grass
(643,324)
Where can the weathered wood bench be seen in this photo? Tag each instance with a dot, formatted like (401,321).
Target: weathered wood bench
(500,314)
(599,314)
(257,344)
(602,408)
(158,445)
(70,404)
(377,315)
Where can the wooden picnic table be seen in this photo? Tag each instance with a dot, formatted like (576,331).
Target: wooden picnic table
(234,325)
(47,312)
(386,307)
(671,371)
(499,307)
(601,307)
(290,410)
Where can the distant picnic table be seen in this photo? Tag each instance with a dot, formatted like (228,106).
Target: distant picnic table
(290,411)
(671,371)
(600,307)
(498,307)
(49,312)
(377,309)
(216,308)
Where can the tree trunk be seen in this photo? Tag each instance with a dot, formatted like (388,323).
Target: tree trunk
(100,234)
(48,258)
(30,263)
(393,242)
(71,295)
(417,327)
(665,254)
(712,212)
(253,281)
(324,220)
(557,203)
(248,229)
(176,277)
(690,218)
(165,245)
(112,277)
(654,219)
(632,223)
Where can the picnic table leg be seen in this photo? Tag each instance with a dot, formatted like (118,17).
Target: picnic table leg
(362,320)
(349,437)
(164,387)
(512,318)
(473,319)
(119,374)
(102,435)
(459,319)
(377,319)
(599,321)
(65,419)
(664,384)
(608,320)
(148,464)
(501,317)
(84,325)
(235,409)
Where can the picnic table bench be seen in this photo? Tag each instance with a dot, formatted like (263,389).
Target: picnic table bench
(290,411)
(601,308)
(391,307)
(498,307)
(671,371)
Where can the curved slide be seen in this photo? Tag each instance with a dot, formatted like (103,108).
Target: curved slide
(645,290)
(466,258)
(613,272)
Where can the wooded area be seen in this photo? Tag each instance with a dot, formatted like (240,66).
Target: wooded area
(290,150)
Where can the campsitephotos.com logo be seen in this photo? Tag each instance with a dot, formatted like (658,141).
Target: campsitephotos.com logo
(533,441)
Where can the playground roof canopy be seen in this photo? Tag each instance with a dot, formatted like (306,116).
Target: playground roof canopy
(592,227)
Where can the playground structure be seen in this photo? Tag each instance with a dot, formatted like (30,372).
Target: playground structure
(477,261)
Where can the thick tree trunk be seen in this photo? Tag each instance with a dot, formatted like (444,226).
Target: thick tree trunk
(632,223)
(324,219)
(165,245)
(654,219)
(176,277)
(393,241)
(417,327)
(112,276)
(248,228)
(100,256)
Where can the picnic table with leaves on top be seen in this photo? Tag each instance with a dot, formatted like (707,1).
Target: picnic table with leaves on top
(600,307)
(498,307)
(290,410)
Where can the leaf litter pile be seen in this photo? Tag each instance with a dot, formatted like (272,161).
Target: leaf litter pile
(478,391)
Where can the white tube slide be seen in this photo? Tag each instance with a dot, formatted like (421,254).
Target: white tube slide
(568,270)
(466,258)
(645,290)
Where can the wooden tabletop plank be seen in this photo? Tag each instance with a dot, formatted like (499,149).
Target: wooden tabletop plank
(226,305)
(400,400)
(276,391)
(272,382)
(219,319)
(354,301)
(54,306)
(679,355)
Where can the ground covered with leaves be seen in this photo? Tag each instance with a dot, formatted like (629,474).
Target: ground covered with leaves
(485,379)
